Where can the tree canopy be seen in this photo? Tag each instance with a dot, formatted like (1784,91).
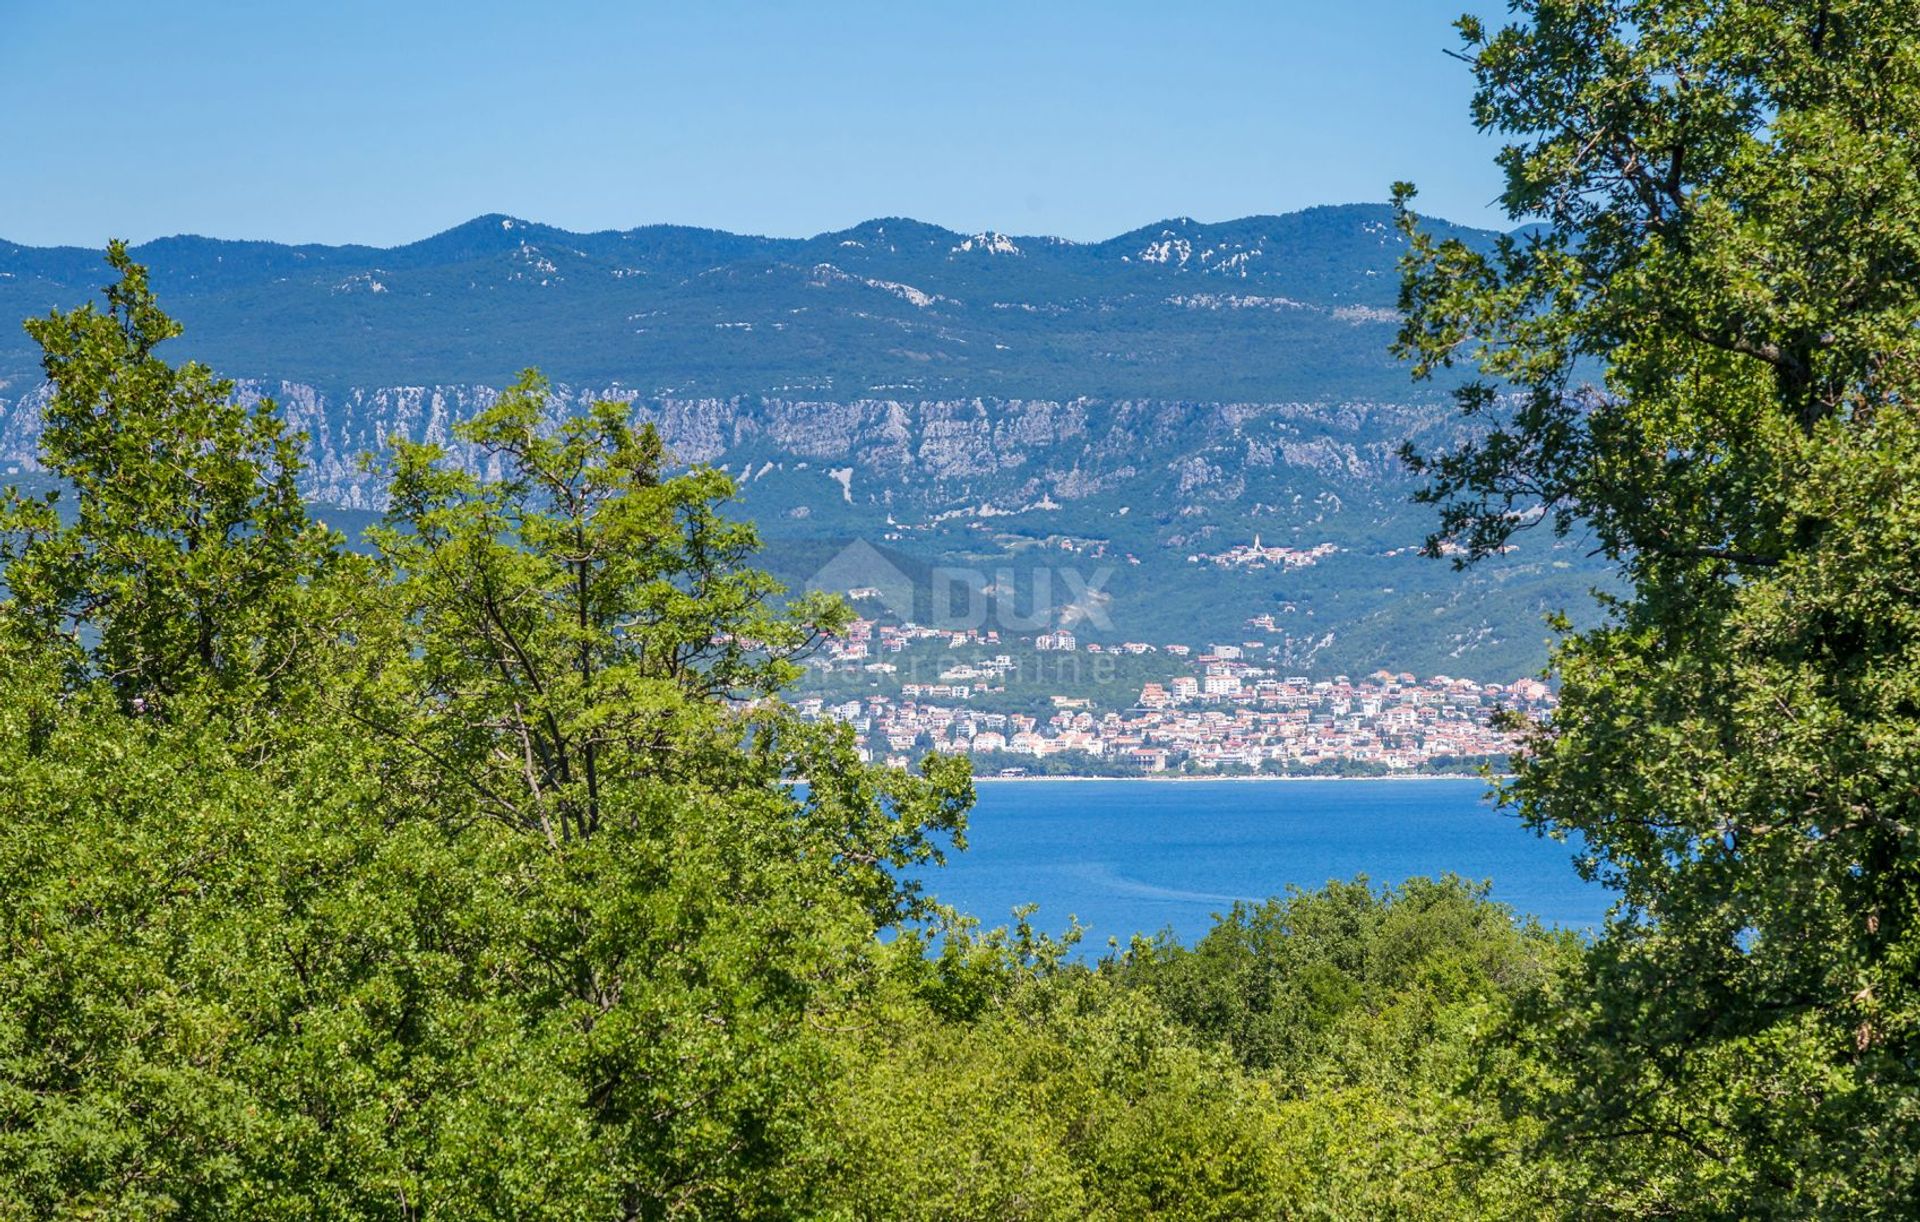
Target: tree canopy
(484,873)
(1702,353)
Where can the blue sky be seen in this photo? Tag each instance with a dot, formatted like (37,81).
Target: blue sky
(384,122)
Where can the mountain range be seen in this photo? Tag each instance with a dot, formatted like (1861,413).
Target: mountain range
(983,402)
(1267,308)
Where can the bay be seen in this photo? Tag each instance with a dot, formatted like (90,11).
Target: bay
(1132,856)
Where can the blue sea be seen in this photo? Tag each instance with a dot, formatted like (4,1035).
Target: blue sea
(1131,857)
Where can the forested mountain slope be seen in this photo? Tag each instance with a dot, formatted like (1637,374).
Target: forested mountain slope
(967,401)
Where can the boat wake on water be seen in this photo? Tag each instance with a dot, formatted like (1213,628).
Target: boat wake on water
(1103,875)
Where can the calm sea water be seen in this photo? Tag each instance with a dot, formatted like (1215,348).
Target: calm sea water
(1141,856)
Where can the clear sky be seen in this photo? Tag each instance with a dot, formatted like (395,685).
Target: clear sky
(382,122)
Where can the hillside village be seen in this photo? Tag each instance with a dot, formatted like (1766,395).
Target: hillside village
(1259,556)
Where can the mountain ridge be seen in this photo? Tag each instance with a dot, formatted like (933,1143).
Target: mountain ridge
(1283,307)
(492,220)
(1143,404)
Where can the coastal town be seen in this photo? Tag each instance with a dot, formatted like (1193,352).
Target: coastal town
(1214,709)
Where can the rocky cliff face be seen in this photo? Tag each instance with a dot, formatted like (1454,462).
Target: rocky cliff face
(921,457)
(1140,497)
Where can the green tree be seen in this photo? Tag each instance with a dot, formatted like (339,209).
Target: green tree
(1274,979)
(1705,355)
(578,652)
(585,610)
(585,630)
(526,912)
(1314,1056)
(183,565)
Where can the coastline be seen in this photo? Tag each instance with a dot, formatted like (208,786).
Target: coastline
(1181,780)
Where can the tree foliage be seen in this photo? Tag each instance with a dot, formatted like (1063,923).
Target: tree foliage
(1704,353)
(515,911)
(486,875)
(185,556)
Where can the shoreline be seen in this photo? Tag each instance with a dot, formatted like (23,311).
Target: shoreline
(1182,780)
